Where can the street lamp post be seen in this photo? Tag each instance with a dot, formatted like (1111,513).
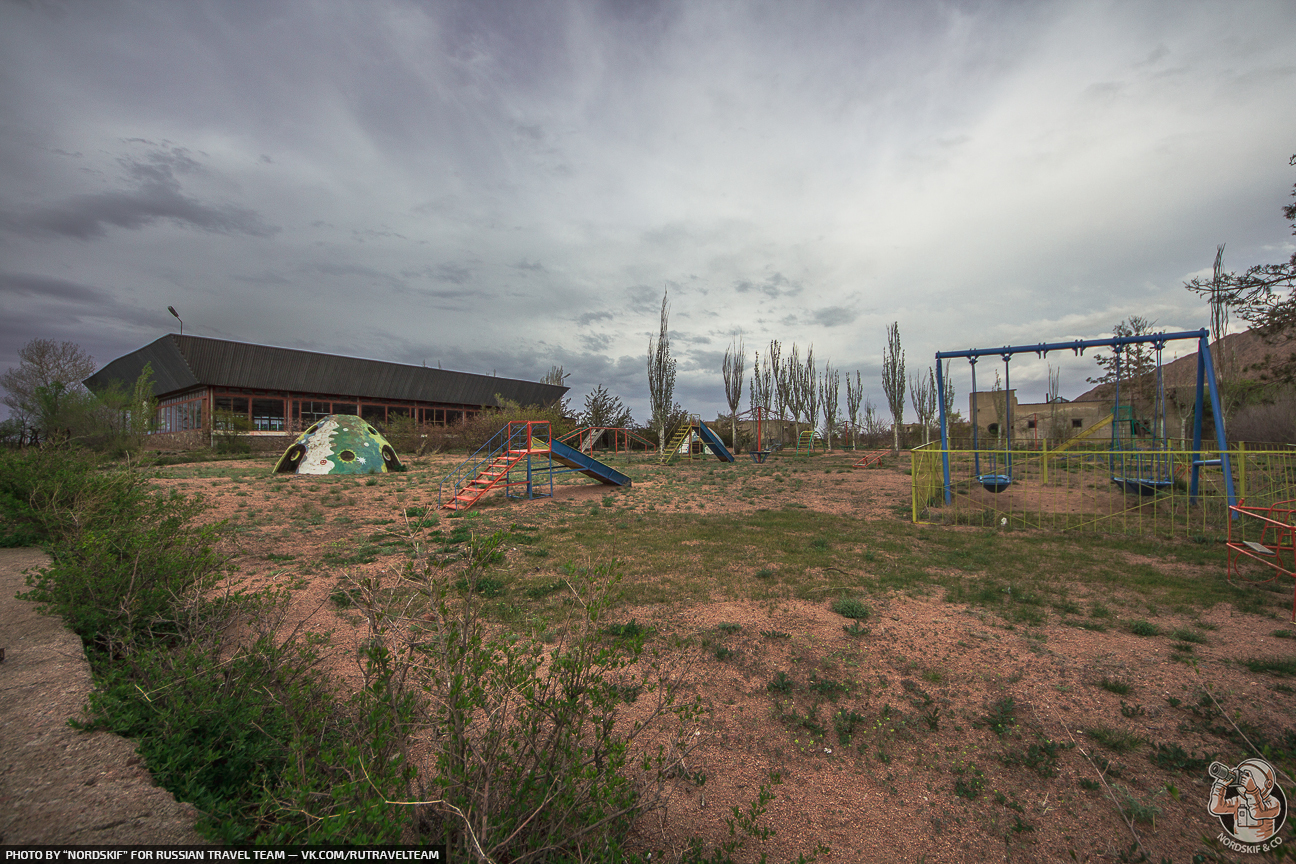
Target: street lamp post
(171,309)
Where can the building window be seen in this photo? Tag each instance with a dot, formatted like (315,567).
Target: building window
(1077,424)
(228,411)
(268,415)
(175,415)
(375,414)
(310,413)
(1030,424)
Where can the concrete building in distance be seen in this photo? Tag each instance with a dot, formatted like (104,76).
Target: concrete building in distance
(1036,421)
(282,391)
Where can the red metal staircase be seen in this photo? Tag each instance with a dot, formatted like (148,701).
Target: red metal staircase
(492,474)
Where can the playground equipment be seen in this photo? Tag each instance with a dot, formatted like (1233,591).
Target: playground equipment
(623,439)
(760,452)
(1154,473)
(993,480)
(1275,546)
(868,460)
(807,439)
(339,444)
(695,429)
(520,446)
(1095,490)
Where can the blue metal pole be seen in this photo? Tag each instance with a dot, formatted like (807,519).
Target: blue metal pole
(940,398)
(1220,441)
(1198,410)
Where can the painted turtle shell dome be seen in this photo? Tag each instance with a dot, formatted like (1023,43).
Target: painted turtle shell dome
(339,444)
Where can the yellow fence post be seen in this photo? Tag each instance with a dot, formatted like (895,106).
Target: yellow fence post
(1044,460)
(1241,469)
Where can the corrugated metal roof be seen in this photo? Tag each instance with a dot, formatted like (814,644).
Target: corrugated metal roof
(182,362)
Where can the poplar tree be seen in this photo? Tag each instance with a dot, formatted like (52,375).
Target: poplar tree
(893,381)
(734,360)
(661,378)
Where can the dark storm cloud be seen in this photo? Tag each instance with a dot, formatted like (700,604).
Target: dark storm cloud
(156,195)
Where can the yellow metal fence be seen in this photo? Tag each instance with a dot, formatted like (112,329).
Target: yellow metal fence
(1074,490)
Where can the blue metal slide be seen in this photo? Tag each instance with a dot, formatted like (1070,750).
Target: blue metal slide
(573,458)
(713,441)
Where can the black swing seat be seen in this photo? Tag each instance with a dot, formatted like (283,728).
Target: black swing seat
(995,482)
(1142,485)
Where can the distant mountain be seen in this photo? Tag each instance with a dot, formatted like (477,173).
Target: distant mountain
(1246,350)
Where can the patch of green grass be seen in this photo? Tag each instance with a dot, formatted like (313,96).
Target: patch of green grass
(1144,813)
(1132,711)
(1115,740)
(1283,634)
(1187,634)
(1119,686)
(1002,716)
(830,689)
(487,586)
(775,634)
(1272,665)
(1172,757)
(1141,627)
(729,628)
(845,723)
(780,683)
(633,630)
(851,607)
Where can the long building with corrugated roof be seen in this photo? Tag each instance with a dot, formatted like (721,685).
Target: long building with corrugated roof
(282,391)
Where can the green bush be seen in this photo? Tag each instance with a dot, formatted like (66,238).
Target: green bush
(133,572)
(50,493)
(529,760)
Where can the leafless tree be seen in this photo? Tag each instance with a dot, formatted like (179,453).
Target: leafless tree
(734,360)
(795,394)
(1054,391)
(893,380)
(1257,295)
(661,378)
(854,398)
(810,389)
(46,372)
(780,382)
(829,395)
(922,393)
(558,378)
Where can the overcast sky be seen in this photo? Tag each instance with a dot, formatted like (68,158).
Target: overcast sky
(500,187)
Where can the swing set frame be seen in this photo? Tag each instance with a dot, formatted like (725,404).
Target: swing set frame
(1205,376)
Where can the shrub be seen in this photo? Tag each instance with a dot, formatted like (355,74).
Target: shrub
(529,760)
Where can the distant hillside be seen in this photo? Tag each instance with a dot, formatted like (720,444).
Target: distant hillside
(1247,349)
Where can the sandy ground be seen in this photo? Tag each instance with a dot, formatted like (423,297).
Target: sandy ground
(919,686)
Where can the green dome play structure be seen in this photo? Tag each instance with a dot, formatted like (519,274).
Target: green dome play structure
(339,444)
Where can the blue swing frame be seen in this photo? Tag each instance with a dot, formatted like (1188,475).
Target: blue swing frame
(1205,371)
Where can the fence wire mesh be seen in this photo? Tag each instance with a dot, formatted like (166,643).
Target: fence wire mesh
(1077,490)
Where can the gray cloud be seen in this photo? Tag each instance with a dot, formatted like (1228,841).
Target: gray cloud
(774,285)
(156,196)
(510,188)
(833,316)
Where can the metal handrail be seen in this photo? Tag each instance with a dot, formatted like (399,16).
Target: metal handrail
(463,474)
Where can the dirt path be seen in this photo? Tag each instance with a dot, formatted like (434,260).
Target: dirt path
(57,785)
